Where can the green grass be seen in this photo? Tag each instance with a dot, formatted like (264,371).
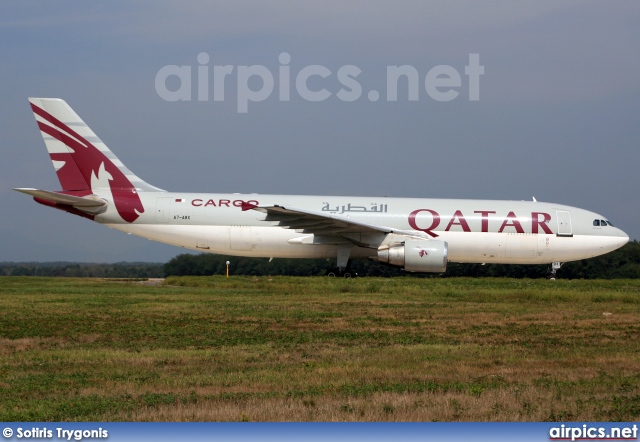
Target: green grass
(284,348)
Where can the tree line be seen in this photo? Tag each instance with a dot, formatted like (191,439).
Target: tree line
(90,270)
(622,263)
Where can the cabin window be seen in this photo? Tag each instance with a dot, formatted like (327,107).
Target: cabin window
(596,222)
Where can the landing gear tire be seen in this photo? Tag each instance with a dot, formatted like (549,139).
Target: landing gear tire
(337,273)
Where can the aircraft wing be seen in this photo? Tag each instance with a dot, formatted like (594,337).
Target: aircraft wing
(325,224)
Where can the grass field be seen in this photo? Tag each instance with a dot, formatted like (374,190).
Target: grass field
(309,349)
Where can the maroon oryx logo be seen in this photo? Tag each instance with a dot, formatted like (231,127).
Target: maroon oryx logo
(423,253)
(83,161)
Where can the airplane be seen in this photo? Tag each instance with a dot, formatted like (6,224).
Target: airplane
(418,235)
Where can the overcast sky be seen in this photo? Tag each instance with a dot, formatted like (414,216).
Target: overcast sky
(557,116)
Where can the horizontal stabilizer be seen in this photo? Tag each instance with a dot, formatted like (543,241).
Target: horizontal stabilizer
(89,202)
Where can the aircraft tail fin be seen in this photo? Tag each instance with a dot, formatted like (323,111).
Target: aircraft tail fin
(84,164)
(81,160)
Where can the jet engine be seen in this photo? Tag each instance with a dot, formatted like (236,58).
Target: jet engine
(416,255)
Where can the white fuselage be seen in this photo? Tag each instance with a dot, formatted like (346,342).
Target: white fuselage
(477,231)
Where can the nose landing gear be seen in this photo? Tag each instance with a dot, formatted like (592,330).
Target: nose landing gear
(553,268)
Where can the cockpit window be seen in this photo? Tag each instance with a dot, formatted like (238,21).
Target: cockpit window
(602,222)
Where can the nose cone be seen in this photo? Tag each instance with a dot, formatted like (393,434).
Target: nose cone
(621,238)
(616,240)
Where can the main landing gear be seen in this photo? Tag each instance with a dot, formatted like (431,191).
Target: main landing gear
(553,268)
(344,251)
